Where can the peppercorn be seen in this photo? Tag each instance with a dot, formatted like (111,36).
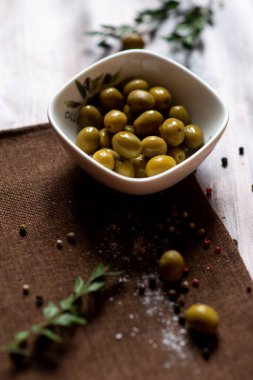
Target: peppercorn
(177,308)
(206,352)
(181,300)
(71,237)
(39,301)
(22,230)
(209,191)
(224,162)
(59,244)
(248,289)
(181,320)
(201,232)
(206,243)
(192,225)
(195,282)
(152,282)
(185,286)
(217,250)
(141,289)
(26,289)
(241,151)
(186,271)
(172,294)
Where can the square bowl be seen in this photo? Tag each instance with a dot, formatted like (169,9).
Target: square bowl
(204,105)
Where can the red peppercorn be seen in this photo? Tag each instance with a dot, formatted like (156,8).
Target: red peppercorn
(186,271)
(209,191)
(206,243)
(195,282)
(217,250)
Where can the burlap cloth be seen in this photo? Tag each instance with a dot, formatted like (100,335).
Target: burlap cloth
(130,336)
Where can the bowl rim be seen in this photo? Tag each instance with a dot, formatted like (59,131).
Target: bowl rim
(141,52)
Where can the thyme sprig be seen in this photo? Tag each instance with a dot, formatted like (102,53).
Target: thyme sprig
(189,22)
(66,313)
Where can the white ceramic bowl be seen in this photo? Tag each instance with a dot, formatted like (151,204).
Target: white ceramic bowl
(205,107)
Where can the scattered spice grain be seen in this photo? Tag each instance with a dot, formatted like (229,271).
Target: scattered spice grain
(71,237)
(141,289)
(195,282)
(206,243)
(26,289)
(22,230)
(59,244)
(209,191)
(224,162)
(152,282)
(186,271)
(39,301)
(241,150)
(217,250)
(248,289)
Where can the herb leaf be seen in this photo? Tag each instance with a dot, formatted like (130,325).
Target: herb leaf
(50,310)
(78,285)
(68,320)
(51,335)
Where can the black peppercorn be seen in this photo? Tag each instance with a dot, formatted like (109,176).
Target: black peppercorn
(224,162)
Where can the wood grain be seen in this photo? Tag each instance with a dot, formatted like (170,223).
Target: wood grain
(43,44)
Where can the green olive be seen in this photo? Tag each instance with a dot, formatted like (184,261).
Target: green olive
(181,113)
(159,164)
(140,166)
(194,137)
(177,153)
(172,131)
(111,98)
(202,318)
(162,97)
(127,111)
(105,138)
(171,266)
(115,121)
(89,116)
(105,158)
(148,123)
(125,168)
(88,139)
(153,146)
(135,84)
(126,144)
(129,128)
(132,41)
(140,101)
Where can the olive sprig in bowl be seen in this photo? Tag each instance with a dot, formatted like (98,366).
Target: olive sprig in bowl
(119,121)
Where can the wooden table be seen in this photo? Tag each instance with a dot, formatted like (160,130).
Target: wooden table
(43,44)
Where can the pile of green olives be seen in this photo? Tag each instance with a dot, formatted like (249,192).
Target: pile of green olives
(135,129)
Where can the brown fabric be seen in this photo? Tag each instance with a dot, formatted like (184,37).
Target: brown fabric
(132,336)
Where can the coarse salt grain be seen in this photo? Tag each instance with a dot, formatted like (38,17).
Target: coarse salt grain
(118,336)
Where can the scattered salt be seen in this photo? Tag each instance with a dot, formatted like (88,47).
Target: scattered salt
(118,336)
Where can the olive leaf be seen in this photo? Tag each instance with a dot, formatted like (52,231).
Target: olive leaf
(92,87)
(81,88)
(72,104)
